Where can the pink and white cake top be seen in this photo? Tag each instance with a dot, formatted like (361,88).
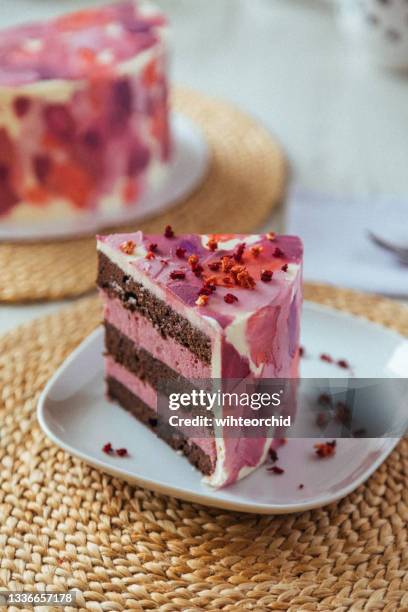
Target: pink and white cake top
(221,277)
(78,45)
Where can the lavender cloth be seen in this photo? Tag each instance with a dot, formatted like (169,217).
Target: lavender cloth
(337,248)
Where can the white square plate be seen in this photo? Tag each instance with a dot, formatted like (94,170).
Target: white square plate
(75,414)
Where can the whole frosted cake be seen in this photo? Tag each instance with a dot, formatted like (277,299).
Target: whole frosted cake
(181,308)
(83,113)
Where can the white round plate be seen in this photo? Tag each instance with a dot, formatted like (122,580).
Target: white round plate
(75,414)
(187,169)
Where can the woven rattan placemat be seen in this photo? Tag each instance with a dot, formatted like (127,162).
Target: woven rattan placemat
(245,180)
(65,525)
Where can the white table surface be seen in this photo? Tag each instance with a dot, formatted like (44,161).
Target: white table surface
(343,124)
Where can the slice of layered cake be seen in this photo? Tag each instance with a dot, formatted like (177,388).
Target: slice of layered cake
(188,307)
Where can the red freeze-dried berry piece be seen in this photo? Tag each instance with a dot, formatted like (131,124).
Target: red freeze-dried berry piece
(284,268)
(342,363)
(325,357)
(343,413)
(177,275)
(275,469)
(301,351)
(180,252)
(107,448)
(168,232)
(325,449)
(239,251)
(212,244)
(150,255)
(266,276)
(198,270)
(278,252)
(152,247)
(122,452)
(193,260)
(205,290)
(21,106)
(301,486)
(273,455)
(214,266)
(230,298)
(324,399)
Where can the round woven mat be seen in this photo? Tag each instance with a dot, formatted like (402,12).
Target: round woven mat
(65,525)
(245,180)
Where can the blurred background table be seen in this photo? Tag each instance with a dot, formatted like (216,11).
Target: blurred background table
(342,123)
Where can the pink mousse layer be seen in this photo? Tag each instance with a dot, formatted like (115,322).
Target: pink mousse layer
(149,396)
(138,329)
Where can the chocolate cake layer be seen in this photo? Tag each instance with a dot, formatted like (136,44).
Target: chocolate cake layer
(135,297)
(172,436)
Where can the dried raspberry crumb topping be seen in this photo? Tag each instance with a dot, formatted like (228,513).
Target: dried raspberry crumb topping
(284,268)
(275,469)
(202,300)
(168,232)
(256,250)
(164,262)
(273,455)
(266,276)
(214,266)
(150,255)
(198,270)
(301,486)
(325,449)
(230,298)
(128,247)
(227,263)
(152,247)
(342,363)
(325,357)
(177,275)
(324,399)
(238,253)
(122,452)
(301,351)
(342,413)
(107,448)
(180,252)
(278,252)
(212,244)
(243,278)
